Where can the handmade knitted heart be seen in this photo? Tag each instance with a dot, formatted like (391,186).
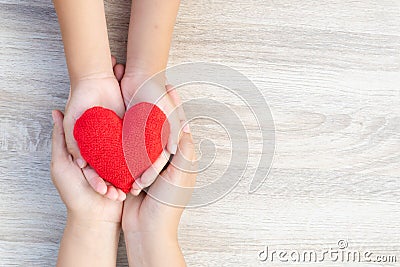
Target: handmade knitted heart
(121,150)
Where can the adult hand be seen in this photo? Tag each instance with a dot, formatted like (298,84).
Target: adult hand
(82,202)
(93,221)
(150,225)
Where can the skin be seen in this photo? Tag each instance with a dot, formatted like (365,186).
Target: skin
(149,38)
(93,83)
(150,175)
(94,222)
(90,67)
(150,32)
(153,224)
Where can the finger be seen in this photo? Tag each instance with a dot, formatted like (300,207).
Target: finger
(183,163)
(135,190)
(112,192)
(176,99)
(177,111)
(150,175)
(72,145)
(136,187)
(63,171)
(176,183)
(113,61)
(94,180)
(133,202)
(121,195)
(154,93)
(59,147)
(119,71)
(175,126)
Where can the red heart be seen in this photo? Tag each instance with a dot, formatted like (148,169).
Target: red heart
(121,150)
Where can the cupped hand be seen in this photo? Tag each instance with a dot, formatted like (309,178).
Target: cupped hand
(98,90)
(150,220)
(136,89)
(167,99)
(82,202)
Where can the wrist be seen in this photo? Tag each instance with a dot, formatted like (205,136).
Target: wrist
(95,234)
(134,79)
(86,78)
(153,249)
(149,239)
(92,225)
(88,243)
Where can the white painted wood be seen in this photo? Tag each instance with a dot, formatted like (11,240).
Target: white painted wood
(330,71)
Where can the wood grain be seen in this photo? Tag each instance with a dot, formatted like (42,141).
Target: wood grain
(329,70)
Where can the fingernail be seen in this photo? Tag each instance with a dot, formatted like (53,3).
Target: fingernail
(147,178)
(135,192)
(143,179)
(102,190)
(174,148)
(122,198)
(186,128)
(137,185)
(80,162)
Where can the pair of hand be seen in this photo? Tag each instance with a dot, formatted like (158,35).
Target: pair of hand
(86,205)
(116,92)
(150,226)
(94,221)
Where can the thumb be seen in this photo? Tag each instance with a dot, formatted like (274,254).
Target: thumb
(58,148)
(175,185)
(72,145)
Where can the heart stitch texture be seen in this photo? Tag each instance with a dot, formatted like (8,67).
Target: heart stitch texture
(121,150)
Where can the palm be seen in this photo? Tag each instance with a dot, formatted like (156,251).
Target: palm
(152,91)
(95,205)
(104,92)
(74,189)
(148,212)
(140,213)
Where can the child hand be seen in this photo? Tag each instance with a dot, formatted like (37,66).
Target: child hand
(168,100)
(150,226)
(83,204)
(157,93)
(87,93)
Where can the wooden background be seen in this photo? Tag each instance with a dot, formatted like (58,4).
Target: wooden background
(330,71)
